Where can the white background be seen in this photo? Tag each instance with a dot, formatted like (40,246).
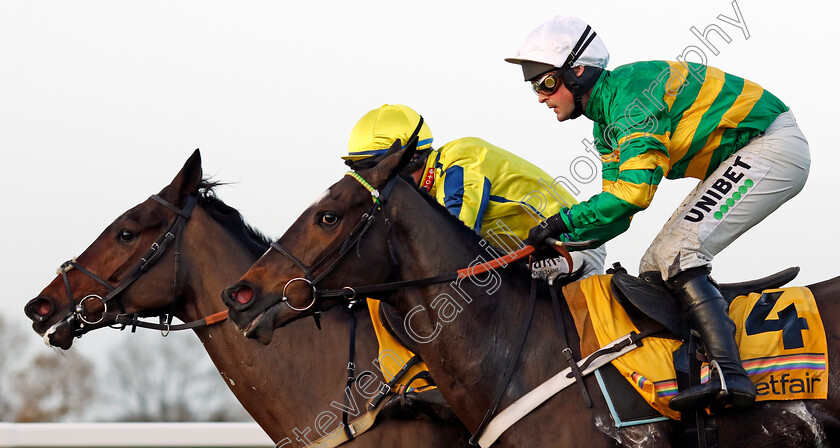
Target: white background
(101,102)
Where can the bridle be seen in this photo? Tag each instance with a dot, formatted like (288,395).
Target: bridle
(153,255)
(352,240)
(332,258)
(349,293)
(353,293)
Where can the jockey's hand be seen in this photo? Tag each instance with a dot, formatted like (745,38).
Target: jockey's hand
(552,227)
(553,268)
(549,269)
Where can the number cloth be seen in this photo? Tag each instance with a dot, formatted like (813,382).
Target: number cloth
(780,335)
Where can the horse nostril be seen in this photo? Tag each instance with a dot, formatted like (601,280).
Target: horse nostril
(243,295)
(39,308)
(238,294)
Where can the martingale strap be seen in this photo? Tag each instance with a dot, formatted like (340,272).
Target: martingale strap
(502,385)
(567,351)
(354,428)
(351,371)
(385,389)
(530,401)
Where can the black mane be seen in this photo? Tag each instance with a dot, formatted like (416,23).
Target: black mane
(458,225)
(230,218)
(464,232)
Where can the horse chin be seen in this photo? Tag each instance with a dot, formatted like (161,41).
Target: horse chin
(59,335)
(261,327)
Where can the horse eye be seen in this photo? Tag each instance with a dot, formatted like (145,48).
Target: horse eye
(329,218)
(125,236)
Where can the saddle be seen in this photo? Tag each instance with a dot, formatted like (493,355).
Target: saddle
(394,325)
(646,298)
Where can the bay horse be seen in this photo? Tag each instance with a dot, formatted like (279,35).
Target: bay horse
(293,387)
(375,228)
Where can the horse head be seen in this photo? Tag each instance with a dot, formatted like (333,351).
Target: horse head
(128,260)
(286,283)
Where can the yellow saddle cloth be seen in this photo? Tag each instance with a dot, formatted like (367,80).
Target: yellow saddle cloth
(779,332)
(393,356)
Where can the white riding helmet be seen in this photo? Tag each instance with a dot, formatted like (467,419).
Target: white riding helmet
(551,44)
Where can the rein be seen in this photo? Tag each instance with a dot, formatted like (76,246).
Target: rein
(351,294)
(341,250)
(155,252)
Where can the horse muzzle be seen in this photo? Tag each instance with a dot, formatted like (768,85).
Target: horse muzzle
(39,309)
(61,333)
(240,299)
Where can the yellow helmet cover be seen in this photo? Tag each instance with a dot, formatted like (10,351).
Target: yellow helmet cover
(378,129)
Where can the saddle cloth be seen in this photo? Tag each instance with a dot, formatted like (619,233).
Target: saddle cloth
(392,354)
(779,332)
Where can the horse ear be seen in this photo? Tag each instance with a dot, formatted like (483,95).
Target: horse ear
(392,163)
(186,182)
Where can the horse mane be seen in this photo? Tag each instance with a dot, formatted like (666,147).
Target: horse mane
(464,232)
(458,225)
(230,218)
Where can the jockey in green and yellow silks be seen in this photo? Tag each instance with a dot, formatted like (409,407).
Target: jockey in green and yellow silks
(658,120)
(499,195)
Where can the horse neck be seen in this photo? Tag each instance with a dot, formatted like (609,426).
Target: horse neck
(479,320)
(429,244)
(284,385)
(466,313)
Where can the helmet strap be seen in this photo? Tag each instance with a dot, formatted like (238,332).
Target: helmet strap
(418,162)
(570,79)
(580,47)
(578,86)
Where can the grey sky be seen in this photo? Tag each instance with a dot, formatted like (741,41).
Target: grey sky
(101,102)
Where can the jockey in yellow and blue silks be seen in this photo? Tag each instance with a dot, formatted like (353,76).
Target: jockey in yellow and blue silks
(496,193)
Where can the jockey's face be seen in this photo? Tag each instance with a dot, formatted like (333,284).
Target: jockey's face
(562,102)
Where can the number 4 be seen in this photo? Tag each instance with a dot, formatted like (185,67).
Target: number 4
(788,322)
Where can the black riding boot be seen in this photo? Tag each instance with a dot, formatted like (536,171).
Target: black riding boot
(707,310)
